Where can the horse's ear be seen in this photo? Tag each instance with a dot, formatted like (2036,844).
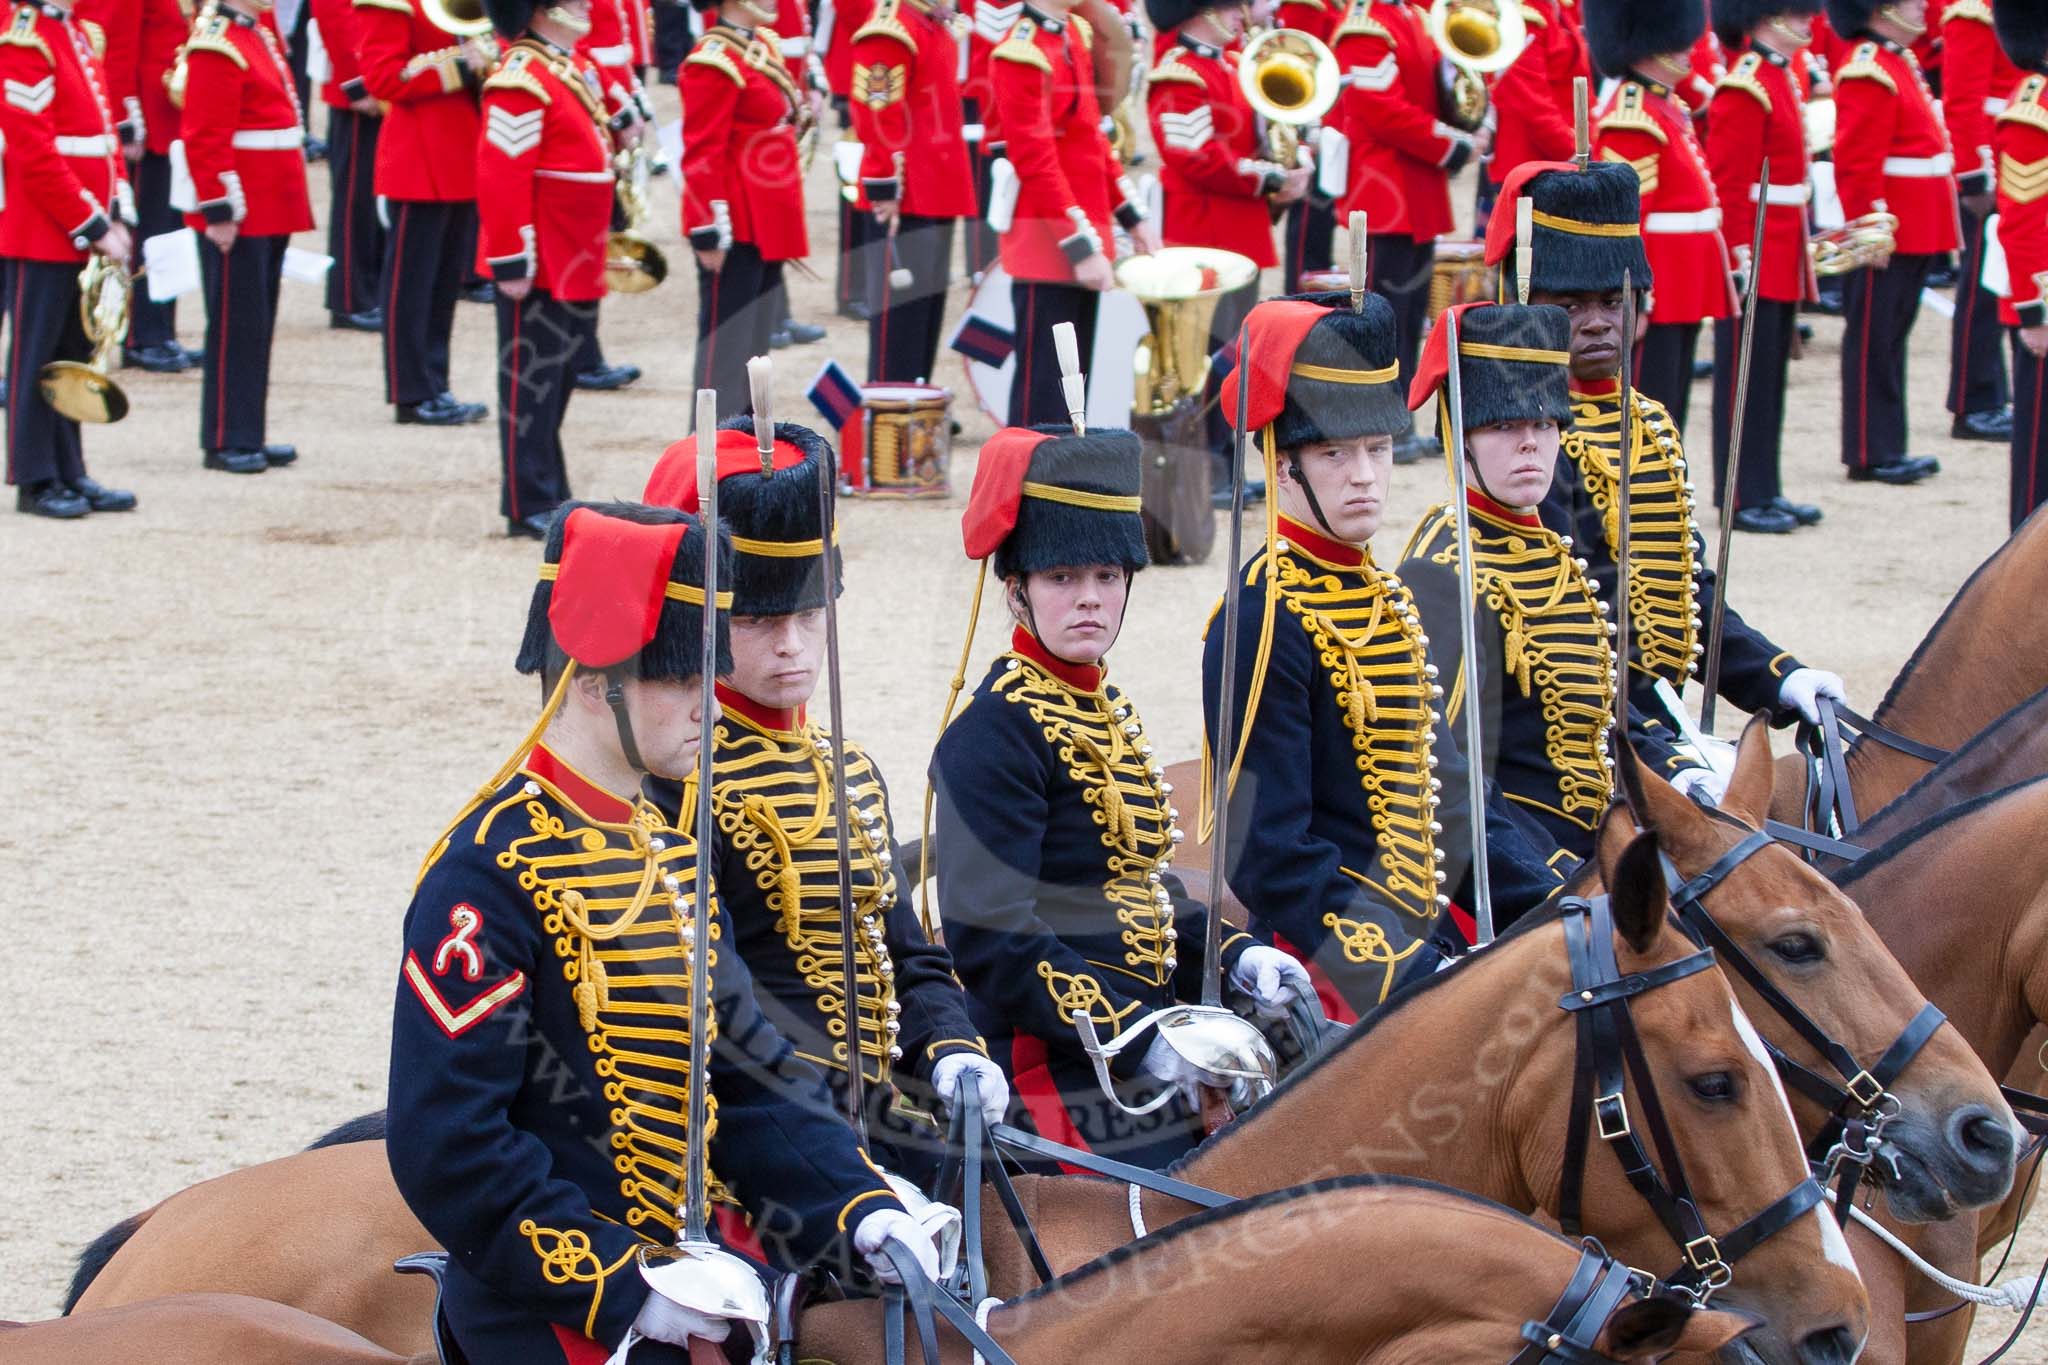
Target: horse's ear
(1645,1329)
(1617,831)
(1635,889)
(1748,797)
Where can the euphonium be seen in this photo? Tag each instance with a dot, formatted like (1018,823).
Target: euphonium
(1290,79)
(81,389)
(1179,287)
(1479,38)
(633,265)
(463,18)
(1855,244)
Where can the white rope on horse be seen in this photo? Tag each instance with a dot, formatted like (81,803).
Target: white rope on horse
(2014,1295)
(1137,1211)
(981,1312)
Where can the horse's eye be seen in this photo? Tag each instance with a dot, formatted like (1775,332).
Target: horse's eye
(1798,948)
(1715,1087)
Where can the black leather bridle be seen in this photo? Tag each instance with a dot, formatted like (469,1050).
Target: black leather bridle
(1599,1285)
(1610,1053)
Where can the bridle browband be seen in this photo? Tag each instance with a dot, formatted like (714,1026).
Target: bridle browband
(1599,1285)
(1861,1104)
(1610,1053)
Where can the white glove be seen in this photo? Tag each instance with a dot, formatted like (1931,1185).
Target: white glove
(1803,687)
(1163,1063)
(1273,980)
(1711,782)
(995,1089)
(663,1319)
(882,1225)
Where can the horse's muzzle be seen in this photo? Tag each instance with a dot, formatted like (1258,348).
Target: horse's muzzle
(1932,1171)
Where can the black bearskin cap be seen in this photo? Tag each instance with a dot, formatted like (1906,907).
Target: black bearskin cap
(1514,390)
(1622,33)
(1168,15)
(1320,410)
(510,17)
(1567,262)
(1849,18)
(677,649)
(1051,533)
(1735,20)
(781,507)
(2022,31)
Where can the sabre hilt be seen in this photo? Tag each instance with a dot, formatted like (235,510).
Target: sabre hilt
(1582,123)
(1358,260)
(760,377)
(899,275)
(1073,383)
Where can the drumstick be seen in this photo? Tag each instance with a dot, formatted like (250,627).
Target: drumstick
(1072,382)
(1358,260)
(760,370)
(899,277)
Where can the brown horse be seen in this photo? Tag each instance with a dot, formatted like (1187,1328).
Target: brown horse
(193,1329)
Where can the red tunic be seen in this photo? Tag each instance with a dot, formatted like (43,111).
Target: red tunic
(119,26)
(1646,127)
(1891,151)
(544,172)
(344,84)
(847,18)
(62,157)
(1214,169)
(1317,18)
(1976,80)
(2019,141)
(243,143)
(1399,149)
(1757,113)
(992,23)
(427,147)
(1532,99)
(742,177)
(164,26)
(609,43)
(906,101)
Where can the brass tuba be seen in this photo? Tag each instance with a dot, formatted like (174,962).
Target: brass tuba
(463,18)
(1855,244)
(1479,38)
(1180,287)
(1290,79)
(81,389)
(632,264)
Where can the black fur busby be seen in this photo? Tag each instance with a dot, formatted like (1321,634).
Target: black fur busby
(1850,18)
(1050,532)
(1168,15)
(510,17)
(1735,20)
(2022,27)
(1514,390)
(1334,410)
(1570,260)
(780,508)
(1622,33)
(676,650)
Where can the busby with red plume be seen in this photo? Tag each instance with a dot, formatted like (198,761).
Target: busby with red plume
(1585,231)
(1319,372)
(1512,363)
(621,591)
(774,519)
(1623,33)
(1044,497)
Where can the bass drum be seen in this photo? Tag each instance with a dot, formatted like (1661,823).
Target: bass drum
(1120,326)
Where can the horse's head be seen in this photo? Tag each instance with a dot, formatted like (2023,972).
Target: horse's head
(1952,1143)
(1713,1102)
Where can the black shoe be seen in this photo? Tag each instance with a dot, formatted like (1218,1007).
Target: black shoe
(803,333)
(279,455)
(780,339)
(1703,369)
(1904,470)
(438,411)
(1993,425)
(476,411)
(857,309)
(1942,277)
(483,291)
(1805,513)
(1412,448)
(1767,521)
(369,320)
(316,149)
(1830,302)
(165,357)
(534,527)
(101,498)
(1805,330)
(236,461)
(194,359)
(607,377)
(52,500)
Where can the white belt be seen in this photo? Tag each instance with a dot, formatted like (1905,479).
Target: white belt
(269,139)
(618,55)
(98,144)
(1705,220)
(794,49)
(1994,106)
(1784,194)
(580,177)
(973,132)
(1919,167)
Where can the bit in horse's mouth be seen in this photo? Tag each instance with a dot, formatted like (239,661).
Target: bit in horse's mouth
(1889,1172)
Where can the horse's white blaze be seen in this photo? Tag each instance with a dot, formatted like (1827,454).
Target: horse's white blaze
(1832,1243)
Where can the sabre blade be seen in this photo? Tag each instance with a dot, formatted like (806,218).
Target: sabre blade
(1358,260)
(760,379)
(1731,459)
(1226,714)
(1073,384)
(1525,245)
(1625,462)
(1468,638)
(695,1212)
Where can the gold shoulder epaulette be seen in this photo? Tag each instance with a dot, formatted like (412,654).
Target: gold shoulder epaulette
(211,35)
(22,33)
(1171,72)
(513,74)
(1085,29)
(884,23)
(1967,9)
(2025,107)
(1021,48)
(1742,76)
(1629,116)
(1863,65)
(1359,23)
(716,53)
(95,37)
(1534,18)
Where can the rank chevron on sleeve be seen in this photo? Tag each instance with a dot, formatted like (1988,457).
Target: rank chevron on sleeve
(34,98)
(514,134)
(1189,131)
(456,1022)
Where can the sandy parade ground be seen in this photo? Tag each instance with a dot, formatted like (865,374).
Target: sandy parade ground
(238,717)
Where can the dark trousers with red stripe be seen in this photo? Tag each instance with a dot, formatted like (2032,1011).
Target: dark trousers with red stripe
(151,323)
(42,307)
(539,339)
(1878,310)
(241,288)
(903,331)
(1399,269)
(1976,366)
(857,231)
(1311,228)
(1664,366)
(426,258)
(1763,422)
(355,239)
(2029,431)
(982,246)
(1035,393)
(736,310)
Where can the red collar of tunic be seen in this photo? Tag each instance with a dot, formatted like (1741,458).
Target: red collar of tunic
(1336,553)
(785,720)
(1513,516)
(593,800)
(1080,677)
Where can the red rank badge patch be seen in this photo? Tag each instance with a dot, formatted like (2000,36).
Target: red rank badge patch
(458,952)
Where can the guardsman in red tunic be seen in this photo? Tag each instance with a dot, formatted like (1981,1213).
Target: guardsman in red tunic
(743,189)
(1402,159)
(1758,113)
(1976,81)
(244,143)
(426,174)
(1891,153)
(1643,123)
(1532,99)
(66,198)
(992,21)
(610,43)
(355,238)
(914,177)
(1058,241)
(152,327)
(2019,144)
(544,175)
(1311,223)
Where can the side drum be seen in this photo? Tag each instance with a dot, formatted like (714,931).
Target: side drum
(903,439)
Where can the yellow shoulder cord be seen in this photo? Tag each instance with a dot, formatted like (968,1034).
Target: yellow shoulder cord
(505,769)
(1206,822)
(926,912)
